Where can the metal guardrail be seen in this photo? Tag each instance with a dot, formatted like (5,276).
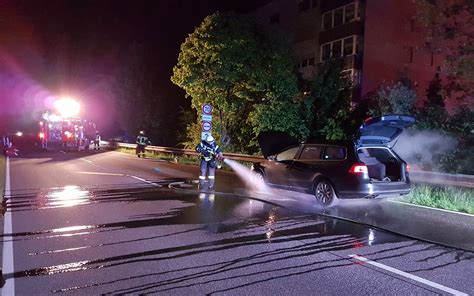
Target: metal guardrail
(437,178)
(416,176)
(181,151)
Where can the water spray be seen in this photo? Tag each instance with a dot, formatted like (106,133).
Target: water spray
(248,176)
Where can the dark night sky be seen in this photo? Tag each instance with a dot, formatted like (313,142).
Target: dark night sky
(55,47)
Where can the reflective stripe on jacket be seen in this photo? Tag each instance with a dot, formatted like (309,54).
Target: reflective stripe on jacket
(208,151)
(142,140)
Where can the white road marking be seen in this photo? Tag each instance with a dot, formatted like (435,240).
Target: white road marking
(408,275)
(430,208)
(143,180)
(114,174)
(92,163)
(8,266)
(103,174)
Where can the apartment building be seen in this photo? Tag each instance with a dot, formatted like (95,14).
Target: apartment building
(379,39)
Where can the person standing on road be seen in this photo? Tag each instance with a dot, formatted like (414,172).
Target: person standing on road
(142,142)
(97,141)
(7,144)
(210,153)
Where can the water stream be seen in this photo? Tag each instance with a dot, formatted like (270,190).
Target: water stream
(248,176)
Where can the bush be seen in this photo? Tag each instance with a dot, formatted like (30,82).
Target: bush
(459,161)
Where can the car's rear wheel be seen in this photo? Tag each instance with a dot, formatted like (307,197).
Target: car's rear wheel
(324,193)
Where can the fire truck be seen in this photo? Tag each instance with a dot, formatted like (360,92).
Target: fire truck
(58,133)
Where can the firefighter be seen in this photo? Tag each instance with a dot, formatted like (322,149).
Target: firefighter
(142,142)
(97,141)
(210,153)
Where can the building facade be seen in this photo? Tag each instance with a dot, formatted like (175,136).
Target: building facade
(379,40)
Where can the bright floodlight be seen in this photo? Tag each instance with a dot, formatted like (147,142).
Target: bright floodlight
(67,107)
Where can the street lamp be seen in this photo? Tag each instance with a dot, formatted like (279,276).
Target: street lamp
(67,107)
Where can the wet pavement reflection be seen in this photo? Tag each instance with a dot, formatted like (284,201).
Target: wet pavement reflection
(232,233)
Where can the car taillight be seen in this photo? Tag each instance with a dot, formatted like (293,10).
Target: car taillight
(407,168)
(358,168)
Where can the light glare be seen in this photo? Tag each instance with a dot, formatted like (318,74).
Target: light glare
(67,107)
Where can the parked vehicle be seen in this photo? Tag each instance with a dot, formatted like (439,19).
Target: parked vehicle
(365,168)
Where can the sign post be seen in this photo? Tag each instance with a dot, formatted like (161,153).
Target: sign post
(206,118)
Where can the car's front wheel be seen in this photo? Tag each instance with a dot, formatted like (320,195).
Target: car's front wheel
(324,193)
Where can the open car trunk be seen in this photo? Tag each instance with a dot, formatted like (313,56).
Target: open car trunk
(382,164)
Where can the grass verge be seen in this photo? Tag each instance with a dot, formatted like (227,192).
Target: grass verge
(448,198)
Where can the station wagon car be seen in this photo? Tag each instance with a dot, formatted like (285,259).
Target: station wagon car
(367,167)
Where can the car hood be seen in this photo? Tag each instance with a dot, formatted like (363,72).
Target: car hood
(272,142)
(383,130)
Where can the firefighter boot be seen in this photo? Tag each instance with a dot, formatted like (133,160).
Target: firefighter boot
(211,182)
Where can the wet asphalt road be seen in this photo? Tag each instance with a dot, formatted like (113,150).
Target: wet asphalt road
(107,223)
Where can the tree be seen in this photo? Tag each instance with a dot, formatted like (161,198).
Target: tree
(291,116)
(332,95)
(449,27)
(234,64)
(396,99)
(433,115)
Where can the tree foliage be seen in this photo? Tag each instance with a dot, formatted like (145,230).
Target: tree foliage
(291,116)
(234,64)
(450,31)
(397,99)
(332,95)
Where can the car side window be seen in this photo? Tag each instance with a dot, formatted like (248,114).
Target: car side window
(311,153)
(288,154)
(334,153)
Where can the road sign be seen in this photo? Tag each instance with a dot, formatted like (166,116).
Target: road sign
(206,109)
(204,135)
(206,126)
(206,117)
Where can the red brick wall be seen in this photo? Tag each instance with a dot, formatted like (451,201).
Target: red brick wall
(387,41)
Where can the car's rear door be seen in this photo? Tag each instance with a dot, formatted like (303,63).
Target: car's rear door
(305,167)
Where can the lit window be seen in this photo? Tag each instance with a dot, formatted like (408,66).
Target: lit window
(349,13)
